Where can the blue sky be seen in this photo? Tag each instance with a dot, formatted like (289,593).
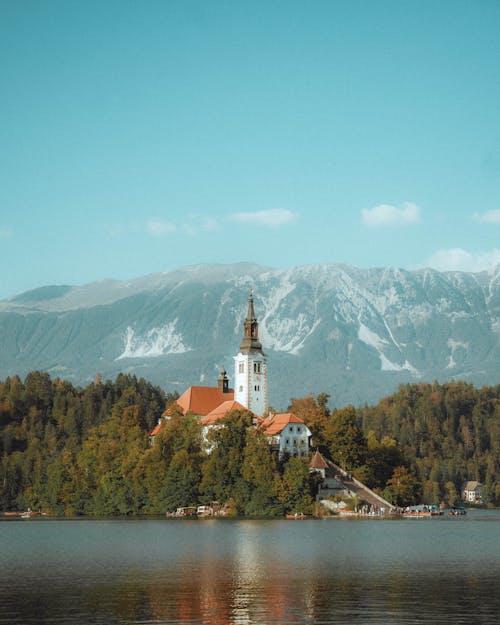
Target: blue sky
(143,136)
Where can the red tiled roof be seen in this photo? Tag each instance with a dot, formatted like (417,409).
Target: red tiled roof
(275,423)
(318,462)
(156,429)
(200,400)
(220,411)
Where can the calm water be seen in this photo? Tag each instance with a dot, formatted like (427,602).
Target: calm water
(94,572)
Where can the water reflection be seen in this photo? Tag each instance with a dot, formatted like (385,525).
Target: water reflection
(248,573)
(337,599)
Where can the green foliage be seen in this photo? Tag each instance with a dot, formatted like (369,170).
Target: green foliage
(71,450)
(403,489)
(297,487)
(222,471)
(446,434)
(259,472)
(180,487)
(380,460)
(442,434)
(347,443)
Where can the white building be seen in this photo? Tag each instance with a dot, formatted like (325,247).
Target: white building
(287,434)
(471,492)
(250,367)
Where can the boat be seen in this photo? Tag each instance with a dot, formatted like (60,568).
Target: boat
(296,516)
(187,512)
(421,512)
(416,514)
(457,511)
(31,513)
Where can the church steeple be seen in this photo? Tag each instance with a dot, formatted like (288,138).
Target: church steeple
(250,367)
(250,342)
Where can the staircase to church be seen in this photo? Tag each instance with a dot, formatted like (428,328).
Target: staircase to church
(359,489)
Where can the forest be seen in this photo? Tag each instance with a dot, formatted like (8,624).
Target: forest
(70,450)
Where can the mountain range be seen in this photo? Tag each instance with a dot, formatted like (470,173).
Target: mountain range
(353,333)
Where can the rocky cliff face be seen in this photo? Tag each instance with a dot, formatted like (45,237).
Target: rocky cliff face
(354,333)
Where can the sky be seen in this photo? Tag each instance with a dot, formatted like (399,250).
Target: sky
(138,137)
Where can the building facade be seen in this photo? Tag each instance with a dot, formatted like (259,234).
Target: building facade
(287,433)
(472,492)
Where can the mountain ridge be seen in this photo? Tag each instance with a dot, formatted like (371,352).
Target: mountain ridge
(354,333)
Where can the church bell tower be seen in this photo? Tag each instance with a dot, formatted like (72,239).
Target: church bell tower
(250,367)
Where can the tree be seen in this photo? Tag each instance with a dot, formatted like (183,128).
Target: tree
(451,495)
(180,486)
(346,441)
(259,472)
(403,488)
(380,460)
(297,486)
(221,472)
(314,412)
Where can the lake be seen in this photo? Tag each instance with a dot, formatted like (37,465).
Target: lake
(99,572)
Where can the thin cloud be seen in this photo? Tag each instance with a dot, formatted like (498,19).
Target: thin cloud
(158,228)
(457,259)
(5,233)
(490,217)
(209,224)
(191,226)
(387,215)
(195,224)
(272,217)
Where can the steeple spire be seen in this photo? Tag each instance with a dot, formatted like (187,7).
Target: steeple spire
(251,341)
(250,367)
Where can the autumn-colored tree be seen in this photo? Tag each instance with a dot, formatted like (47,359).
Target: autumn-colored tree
(403,488)
(72,450)
(314,412)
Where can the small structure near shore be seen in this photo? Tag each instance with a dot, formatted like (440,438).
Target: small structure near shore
(338,485)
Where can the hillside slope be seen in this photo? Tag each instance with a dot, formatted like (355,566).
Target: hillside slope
(354,333)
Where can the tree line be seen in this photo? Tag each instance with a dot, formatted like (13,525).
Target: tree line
(418,445)
(70,450)
(73,450)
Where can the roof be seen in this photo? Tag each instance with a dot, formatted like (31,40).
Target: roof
(221,411)
(471,485)
(250,342)
(156,429)
(276,423)
(318,462)
(200,400)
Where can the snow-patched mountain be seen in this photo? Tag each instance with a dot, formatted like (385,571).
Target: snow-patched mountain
(354,333)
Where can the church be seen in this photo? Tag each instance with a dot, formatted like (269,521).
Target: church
(286,432)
